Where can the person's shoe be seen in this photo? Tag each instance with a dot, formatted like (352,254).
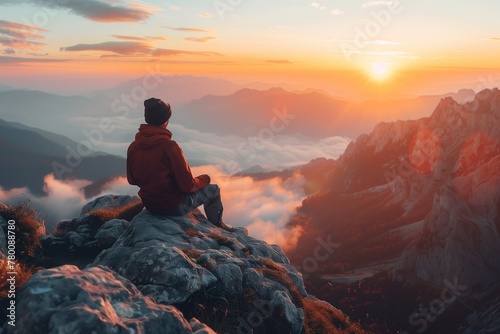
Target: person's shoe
(228,228)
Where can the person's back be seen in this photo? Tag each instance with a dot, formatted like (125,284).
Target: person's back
(157,165)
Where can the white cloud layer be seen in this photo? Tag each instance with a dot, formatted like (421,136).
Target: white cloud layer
(264,207)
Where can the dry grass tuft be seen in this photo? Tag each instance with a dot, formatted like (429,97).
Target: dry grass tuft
(320,317)
(28,229)
(221,240)
(192,254)
(191,232)
(99,217)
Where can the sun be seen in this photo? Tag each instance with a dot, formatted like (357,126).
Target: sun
(380,71)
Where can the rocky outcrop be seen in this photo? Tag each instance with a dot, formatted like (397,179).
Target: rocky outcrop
(175,259)
(95,300)
(99,225)
(155,272)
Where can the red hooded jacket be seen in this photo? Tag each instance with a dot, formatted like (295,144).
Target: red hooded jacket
(157,165)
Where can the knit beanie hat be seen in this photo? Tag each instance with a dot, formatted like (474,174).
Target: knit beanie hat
(156,112)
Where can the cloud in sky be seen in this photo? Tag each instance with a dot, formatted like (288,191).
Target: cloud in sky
(279,61)
(17,36)
(184,29)
(377,3)
(336,12)
(95,10)
(19,60)
(142,39)
(127,48)
(174,52)
(205,15)
(134,48)
(201,39)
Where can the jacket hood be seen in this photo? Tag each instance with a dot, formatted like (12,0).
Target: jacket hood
(150,135)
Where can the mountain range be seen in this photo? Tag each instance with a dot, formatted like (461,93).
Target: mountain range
(418,201)
(28,154)
(211,106)
(312,113)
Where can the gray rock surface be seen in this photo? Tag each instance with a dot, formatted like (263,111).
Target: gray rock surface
(109,202)
(111,231)
(461,234)
(95,300)
(173,259)
(157,271)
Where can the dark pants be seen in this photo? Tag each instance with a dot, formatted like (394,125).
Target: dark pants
(209,197)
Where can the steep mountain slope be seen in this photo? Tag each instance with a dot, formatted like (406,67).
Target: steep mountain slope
(435,181)
(419,200)
(27,155)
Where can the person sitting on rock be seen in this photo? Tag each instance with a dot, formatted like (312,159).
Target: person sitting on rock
(157,165)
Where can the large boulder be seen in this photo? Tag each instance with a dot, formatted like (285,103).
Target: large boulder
(175,260)
(109,202)
(95,300)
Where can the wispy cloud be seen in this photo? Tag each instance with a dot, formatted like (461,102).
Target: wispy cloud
(200,39)
(494,39)
(205,15)
(95,10)
(317,5)
(279,61)
(377,3)
(19,60)
(184,29)
(141,39)
(173,52)
(123,48)
(337,12)
(134,48)
(17,36)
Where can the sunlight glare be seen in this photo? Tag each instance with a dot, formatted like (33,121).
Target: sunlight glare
(380,71)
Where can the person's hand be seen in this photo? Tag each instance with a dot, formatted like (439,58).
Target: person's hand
(205,178)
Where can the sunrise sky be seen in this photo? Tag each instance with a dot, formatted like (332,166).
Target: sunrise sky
(364,46)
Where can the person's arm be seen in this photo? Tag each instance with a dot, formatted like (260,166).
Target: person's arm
(182,173)
(130,175)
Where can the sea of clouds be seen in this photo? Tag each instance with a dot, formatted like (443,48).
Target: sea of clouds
(264,206)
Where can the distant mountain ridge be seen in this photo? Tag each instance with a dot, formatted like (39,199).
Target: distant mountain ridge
(210,105)
(28,154)
(312,113)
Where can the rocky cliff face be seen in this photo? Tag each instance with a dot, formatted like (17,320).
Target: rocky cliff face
(159,274)
(436,177)
(461,233)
